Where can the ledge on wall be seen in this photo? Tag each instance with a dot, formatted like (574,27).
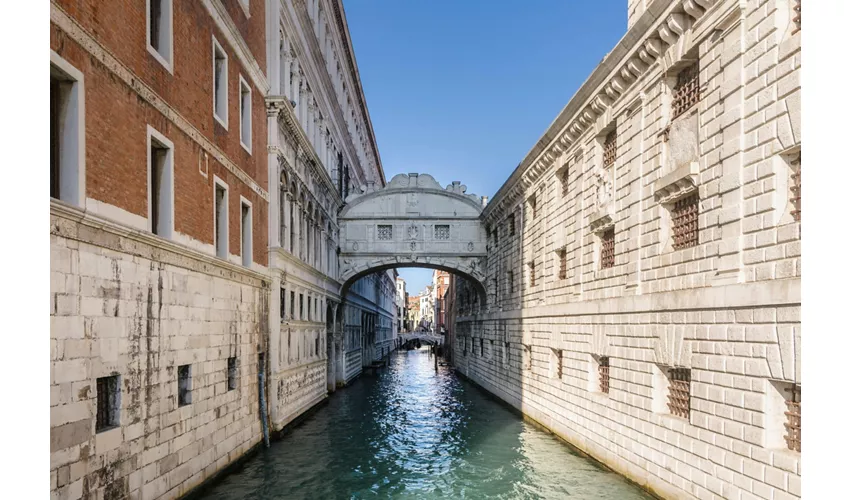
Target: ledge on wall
(676,184)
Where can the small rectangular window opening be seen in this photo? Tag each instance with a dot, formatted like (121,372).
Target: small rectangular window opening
(385,232)
(609,149)
(247,236)
(686,92)
(160,30)
(245,135)
(108,403)
(604,374)
(685,217)
(793,414)
(231,373)
(562,267)
(160,181)
(441,232)
(67,129)
(607,251)
(184,385)
(300,306)
(219,83)
(513,224)
(679,392)
(221,225)
(531,275)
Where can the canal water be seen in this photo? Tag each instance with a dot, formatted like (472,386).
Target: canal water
(409,432)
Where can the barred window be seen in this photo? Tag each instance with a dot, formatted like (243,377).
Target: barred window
(513,224)
(686,93)
(607,252)
(506,354)
(510,281)
(604,372)
(184,385)
(796,189)
(793,414)
(686,222)
(385,232)
(679,394)
(564,178)
(441,232)
(482,346)
(527,357)
(231,373)
(562,269)
(531,276)
(108,403)
(609,149)
(496,237)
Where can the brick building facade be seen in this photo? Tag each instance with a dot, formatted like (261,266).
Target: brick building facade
(643,288)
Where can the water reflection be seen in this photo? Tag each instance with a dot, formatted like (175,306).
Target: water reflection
(413,433)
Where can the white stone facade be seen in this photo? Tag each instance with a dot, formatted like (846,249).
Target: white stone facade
(127,304)
(724,309)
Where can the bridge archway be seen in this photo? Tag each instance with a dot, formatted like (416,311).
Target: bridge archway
(413,222)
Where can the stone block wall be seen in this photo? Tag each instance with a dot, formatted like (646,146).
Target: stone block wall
(128,304)
(725,309)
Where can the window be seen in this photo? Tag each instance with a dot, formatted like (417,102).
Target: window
(160,184)
(679,392)
(794,412)
(526,356)
(160,31)
(564,176)
(686,92)
(245,114)
(220,215)
(510,281)
(108,403)
(231,373)
(796,187)
(496,237)
(282,303)
(292,305)
(309,307)
(609,149)
(532,206)
(441,232)
(604,372)
(531,277)
(496,288)
(482,346)
(317,346)
(555,363)
(184,385)
(513,224)
(607,251)
(562,267)
(685,222)
(300,306)
(219,83)
(67,132)
(506,354)
(247,234)
(385,232)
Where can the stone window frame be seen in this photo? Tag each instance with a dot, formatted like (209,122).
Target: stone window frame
(246,231)
(166,32)
(442,232)
(385,232)
(221,239)
(70,147)
(108,406)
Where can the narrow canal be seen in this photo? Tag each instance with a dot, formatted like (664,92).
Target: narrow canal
(409,432)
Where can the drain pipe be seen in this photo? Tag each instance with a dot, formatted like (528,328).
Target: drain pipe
(263,413)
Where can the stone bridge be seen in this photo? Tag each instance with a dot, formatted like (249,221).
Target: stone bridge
(424,337)
(412,222)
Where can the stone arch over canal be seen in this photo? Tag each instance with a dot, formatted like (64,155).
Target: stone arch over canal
(413,222)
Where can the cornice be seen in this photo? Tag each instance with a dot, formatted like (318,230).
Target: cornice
(164,248)
(237,43)
(659,28)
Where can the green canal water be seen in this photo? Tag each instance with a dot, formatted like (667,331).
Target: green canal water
(409,432)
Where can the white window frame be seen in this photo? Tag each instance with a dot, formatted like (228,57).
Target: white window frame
(166,216)
(168,26)
(217,182)
(243,84)
(72,162)
(246,7)
(250,237)
(222,120)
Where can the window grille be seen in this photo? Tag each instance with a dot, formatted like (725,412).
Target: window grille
(607,253)
(796,18)
(513,224)
(482,347)
(108,403)
(385,232)
(231,374)
(496,237)
(609,149)
(531,273)
(686,93)
(510,281)
(604,372)
(184,385)
(562,270)
(679,395)
(441,232)
(685,222)
(792,425)
(564,178)
(796,189)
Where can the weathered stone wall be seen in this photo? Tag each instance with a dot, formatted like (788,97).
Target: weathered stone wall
(726,308)
(128,304)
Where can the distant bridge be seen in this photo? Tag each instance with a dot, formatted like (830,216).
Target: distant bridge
(424,337)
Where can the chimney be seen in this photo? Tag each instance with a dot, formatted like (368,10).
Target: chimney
(484,200)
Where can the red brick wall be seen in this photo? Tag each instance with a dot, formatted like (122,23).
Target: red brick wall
(117,117)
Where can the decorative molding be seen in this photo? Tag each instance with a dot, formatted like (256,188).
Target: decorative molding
(602,219)
(97,51)
(675,185)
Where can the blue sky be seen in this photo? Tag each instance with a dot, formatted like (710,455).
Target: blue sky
(462,90)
